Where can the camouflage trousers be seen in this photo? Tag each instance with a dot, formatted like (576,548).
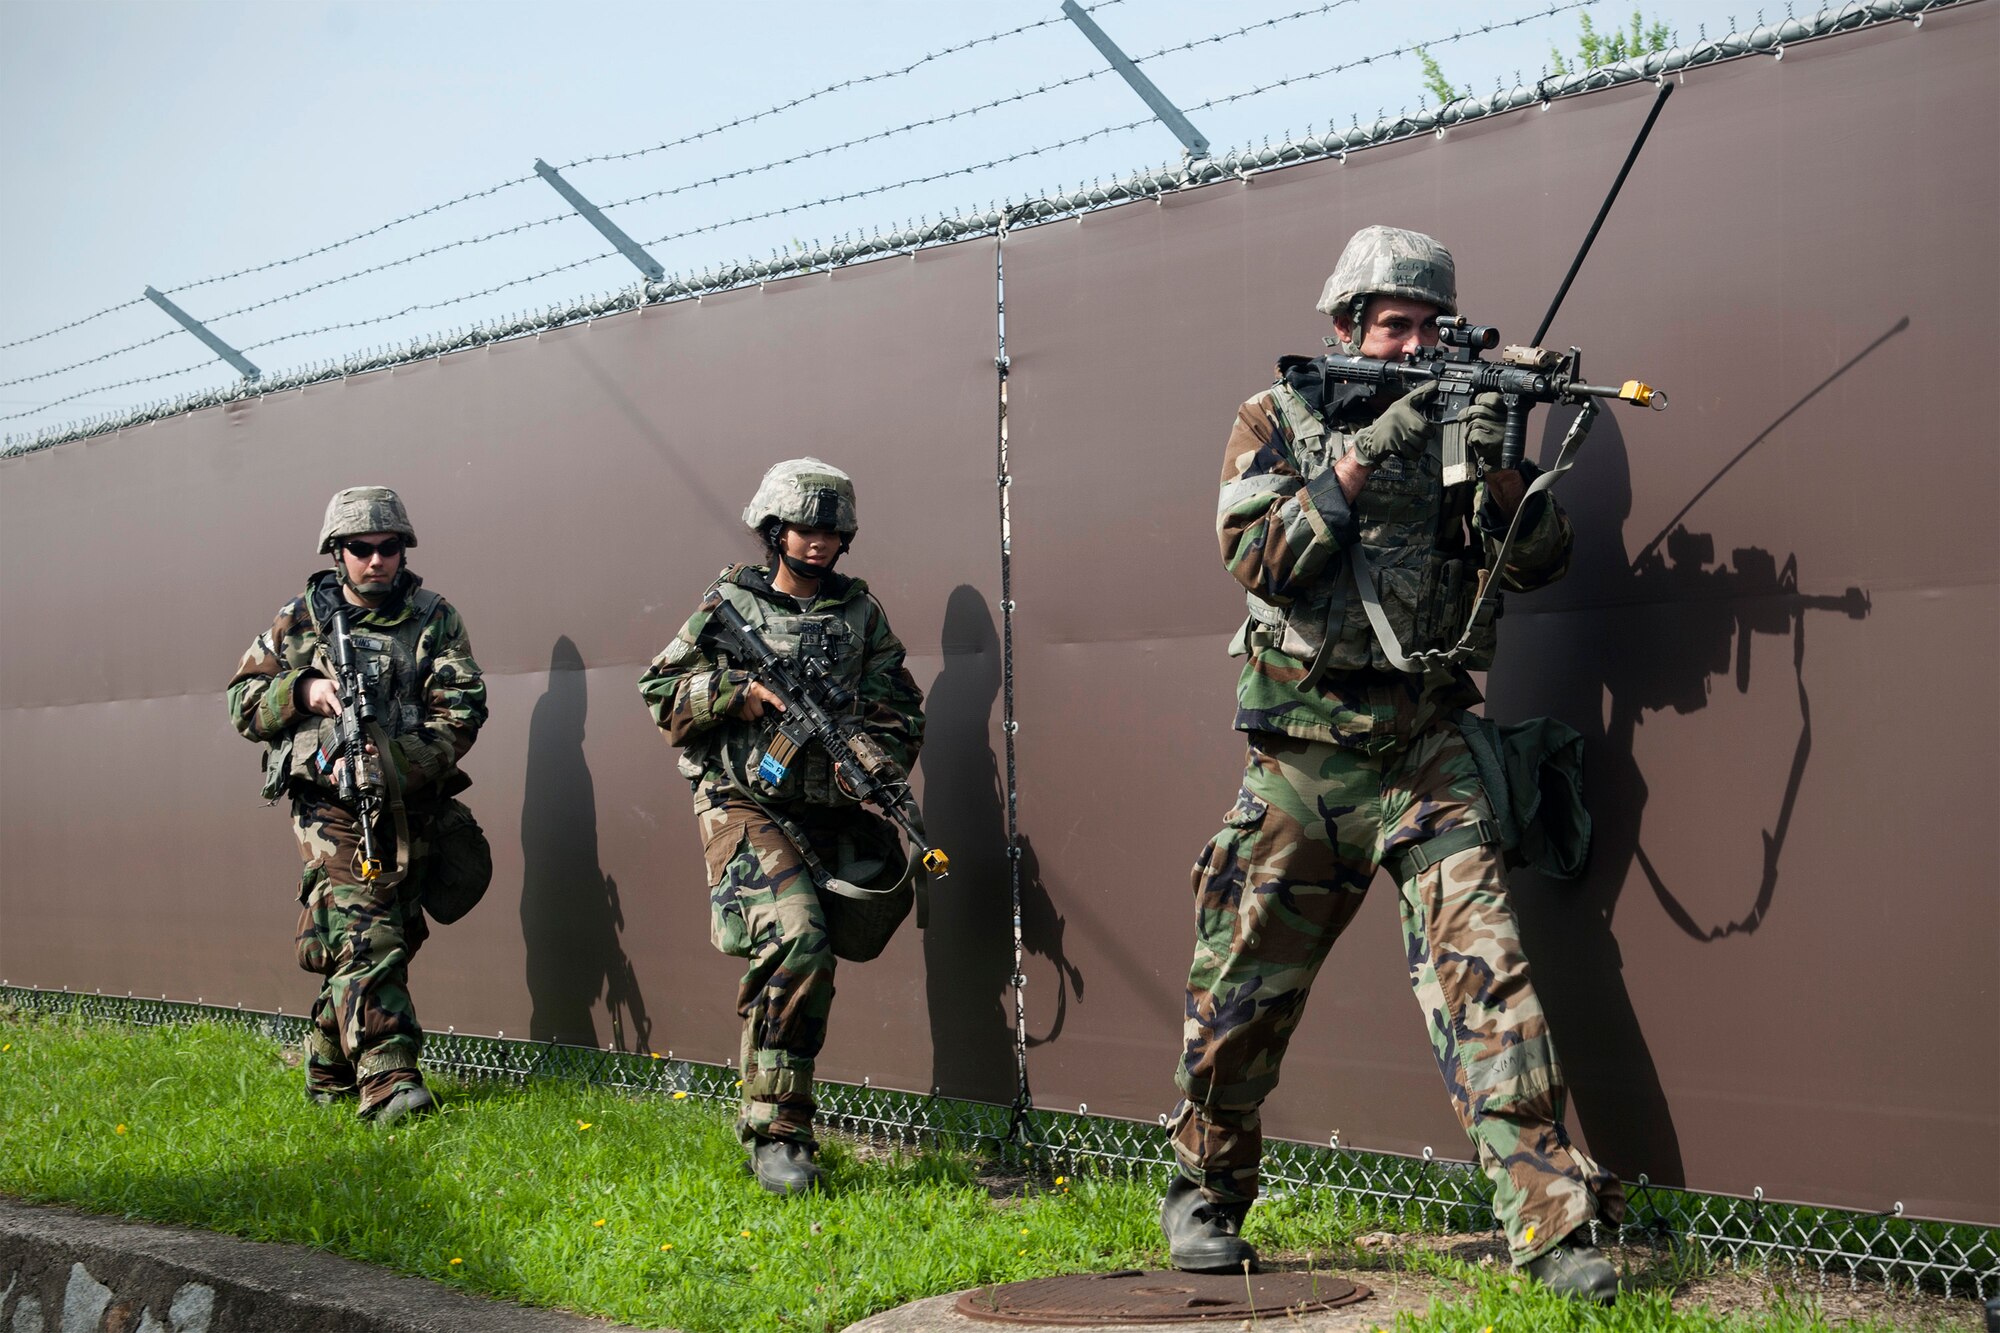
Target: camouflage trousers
(1277,886)
(763,907)
(359,938)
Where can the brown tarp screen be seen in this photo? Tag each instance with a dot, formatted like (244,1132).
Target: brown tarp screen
(1779,635)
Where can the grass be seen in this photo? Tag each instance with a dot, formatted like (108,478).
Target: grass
(560,1195)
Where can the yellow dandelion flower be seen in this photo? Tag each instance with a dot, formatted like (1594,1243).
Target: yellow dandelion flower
(739,1082)
(119,1130)
(583,1124)
(743,1233)
(668,1246)
(656,1055)
(598,1223)
(1024,1231)
(8,1047)
(1062,1180)
(680,1096)
(455,1262)
(1020,1252)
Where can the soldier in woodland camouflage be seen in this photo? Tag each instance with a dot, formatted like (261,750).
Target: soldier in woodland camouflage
(359,933)
(770,845)
(1354,766)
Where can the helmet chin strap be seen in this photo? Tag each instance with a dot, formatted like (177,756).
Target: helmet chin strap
(362,589)
(806,570)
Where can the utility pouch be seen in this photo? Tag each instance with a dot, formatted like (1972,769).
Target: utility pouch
(1533,775)
(458,866)
(277,767)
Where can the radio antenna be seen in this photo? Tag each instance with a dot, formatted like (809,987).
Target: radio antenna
(1666,90)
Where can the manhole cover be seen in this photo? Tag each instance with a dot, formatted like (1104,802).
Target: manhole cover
(1135,1297)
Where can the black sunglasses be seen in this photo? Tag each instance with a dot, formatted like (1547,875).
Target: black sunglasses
(390,549)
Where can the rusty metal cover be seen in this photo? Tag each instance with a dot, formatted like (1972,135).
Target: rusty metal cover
(1134,1296)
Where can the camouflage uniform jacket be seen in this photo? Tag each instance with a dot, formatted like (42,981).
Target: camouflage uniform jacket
(1428,530)
(691,687)
(429,692)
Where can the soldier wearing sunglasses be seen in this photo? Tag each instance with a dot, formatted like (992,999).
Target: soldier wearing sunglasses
(359,923)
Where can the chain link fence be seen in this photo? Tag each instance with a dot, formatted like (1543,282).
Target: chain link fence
(1427,1192)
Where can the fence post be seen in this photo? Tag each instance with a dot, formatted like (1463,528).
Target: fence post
(628,247)
(1169,114)
(200,330)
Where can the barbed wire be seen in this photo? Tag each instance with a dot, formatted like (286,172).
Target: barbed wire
(434,305)
(79,365)
(107,388)
(963,112)
(864,193)
(73,324)
(468,197)
(1550,12)
(670,191)
(830,88)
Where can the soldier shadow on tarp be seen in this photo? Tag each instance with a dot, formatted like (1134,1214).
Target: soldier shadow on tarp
(571,918)
(1644,633)
(969,946)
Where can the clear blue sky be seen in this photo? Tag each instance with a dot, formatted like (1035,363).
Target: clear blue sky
(168,141)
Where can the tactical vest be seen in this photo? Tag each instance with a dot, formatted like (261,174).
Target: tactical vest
(837,635)
(390,665)
(1414,522)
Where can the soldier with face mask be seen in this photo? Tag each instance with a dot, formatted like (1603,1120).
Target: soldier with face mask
(1354,765)
(358,927)
(785,858)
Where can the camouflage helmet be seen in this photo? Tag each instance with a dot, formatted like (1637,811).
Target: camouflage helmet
(805,492)
(360,509)
(1388,261)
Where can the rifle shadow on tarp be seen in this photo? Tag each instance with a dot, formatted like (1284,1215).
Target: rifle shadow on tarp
(1636,634)
(571,917)
(969,947)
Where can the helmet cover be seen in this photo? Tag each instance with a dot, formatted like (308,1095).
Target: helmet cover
(806,493)
(360,509)
(1388,261)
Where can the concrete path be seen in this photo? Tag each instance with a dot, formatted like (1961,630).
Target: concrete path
(63,1271)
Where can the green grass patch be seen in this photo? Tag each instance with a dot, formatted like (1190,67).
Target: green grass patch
(637,1209)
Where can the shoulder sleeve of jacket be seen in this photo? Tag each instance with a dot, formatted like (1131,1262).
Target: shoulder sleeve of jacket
(453,702)
(1278,529)
(261,695)
(685,689)
(892,707)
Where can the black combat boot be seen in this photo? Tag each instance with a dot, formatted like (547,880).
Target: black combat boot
(1201,1236)
(1576,1268)
(783,1166)
(405,1102)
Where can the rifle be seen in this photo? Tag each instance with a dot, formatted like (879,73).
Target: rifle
(357,719)
(1524,376)
(815,710)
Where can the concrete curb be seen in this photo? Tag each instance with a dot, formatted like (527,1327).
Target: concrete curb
(63,1271)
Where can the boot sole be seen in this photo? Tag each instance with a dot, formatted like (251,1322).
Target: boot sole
(1213,1263)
